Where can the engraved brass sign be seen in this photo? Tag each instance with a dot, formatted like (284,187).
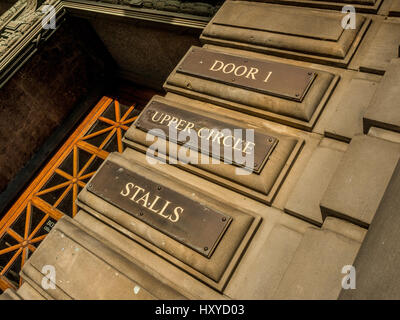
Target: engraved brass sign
(272,78)
(211,135)
(180,217)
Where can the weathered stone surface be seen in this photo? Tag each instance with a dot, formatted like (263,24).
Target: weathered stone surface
(361,179)
(27,292)
(127,44)
(366,2)
(282,256)
(306,195)
(315,270)
(296,171)
(346,120)
(377,263)
(9,294)
(370,6)
(78,257)
(154,264)
(323,115)
(378,50)
(261,185)
(384,134)
(39,97)
(261,281)
(5,5)
(383,111)
(302,114)
(285,30)
(345,228)
(200,7)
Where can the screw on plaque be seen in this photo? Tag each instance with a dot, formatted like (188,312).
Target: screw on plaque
(141,213)
(296,94)
(158,188)
(270,140)
(223,219)
(310,73)
(205,248)
(90,185)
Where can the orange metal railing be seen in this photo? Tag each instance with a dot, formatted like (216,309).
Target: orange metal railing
(54,191)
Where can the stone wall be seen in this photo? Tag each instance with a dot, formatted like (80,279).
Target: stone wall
(44,91)
(146,52)
(5,5)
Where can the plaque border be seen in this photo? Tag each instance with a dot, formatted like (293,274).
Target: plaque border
(190,266)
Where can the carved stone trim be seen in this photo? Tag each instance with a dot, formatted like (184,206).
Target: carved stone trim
(21,33)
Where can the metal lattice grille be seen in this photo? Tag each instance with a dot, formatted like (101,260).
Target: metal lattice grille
(54,191)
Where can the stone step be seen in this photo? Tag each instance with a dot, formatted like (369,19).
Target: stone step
(346,120)
(72,259)
(379,47)
(315,271)
(368,6)
(286,31)
(268,257)
(207,246)
(377,263)
(383,110)
(395,8)
(361,179)
(305,197)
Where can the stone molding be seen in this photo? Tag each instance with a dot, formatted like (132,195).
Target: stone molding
(21,32)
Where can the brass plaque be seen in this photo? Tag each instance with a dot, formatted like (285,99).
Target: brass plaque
(190,222)
(272,78)
(222,137)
